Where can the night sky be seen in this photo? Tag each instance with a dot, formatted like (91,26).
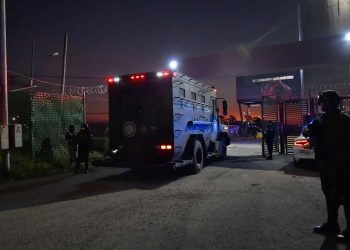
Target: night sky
(113,37)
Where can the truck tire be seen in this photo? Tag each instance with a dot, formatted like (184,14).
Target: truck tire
(198,157)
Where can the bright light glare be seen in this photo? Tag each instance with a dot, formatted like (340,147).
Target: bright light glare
(159,74)
(347,36)
(117,79)
(173,64)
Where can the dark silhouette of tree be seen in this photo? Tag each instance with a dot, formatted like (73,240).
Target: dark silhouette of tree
(223,119)
(232,119)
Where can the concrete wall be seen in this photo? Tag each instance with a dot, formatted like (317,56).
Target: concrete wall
(322,18)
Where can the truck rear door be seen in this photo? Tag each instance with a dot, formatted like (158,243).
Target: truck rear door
(141,120)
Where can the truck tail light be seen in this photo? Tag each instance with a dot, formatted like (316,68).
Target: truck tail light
(164,147)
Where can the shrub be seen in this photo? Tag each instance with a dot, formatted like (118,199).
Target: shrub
(96,158)
(24,167)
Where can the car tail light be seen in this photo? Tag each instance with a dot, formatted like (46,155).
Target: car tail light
(302,142)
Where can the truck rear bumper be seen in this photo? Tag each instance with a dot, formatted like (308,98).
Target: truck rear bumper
(142,164)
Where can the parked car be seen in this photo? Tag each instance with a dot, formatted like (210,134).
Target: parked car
(303,151)
(252,130)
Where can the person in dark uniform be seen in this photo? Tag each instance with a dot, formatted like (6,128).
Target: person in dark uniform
(330,136)
(268,136)
(71,139)
(84,146)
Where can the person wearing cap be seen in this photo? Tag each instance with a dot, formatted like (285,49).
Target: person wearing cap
(330,136)
(84,146)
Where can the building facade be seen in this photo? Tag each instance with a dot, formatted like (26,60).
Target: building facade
(319,19)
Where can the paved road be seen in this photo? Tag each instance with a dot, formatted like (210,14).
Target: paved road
(244,202)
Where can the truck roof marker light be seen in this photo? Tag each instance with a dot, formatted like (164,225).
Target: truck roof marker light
(110,80)
(163,73)
(138,77)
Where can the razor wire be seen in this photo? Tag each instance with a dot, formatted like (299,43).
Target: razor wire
(71,90)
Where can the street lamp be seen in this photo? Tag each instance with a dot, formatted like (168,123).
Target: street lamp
(33,60)
(56,53)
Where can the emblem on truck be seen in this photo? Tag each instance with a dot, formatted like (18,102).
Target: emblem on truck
(129,129)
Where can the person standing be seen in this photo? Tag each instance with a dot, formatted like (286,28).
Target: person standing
(84,146)
(71,139)
(269,136)
(106,144)
(330,136)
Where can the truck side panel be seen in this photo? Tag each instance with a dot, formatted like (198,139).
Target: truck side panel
(193,113)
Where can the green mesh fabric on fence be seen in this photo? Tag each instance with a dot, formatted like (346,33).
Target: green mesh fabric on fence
(45,118)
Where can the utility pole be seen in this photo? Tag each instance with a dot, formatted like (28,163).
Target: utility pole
(64,63)
(4,97)
(32,65)
(84,104)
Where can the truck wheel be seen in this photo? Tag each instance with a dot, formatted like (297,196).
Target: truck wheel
(198,157)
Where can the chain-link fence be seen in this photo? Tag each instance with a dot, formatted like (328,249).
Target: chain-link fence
(45,118)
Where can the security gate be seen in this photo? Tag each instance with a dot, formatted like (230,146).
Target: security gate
(295,116)
(288,118)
